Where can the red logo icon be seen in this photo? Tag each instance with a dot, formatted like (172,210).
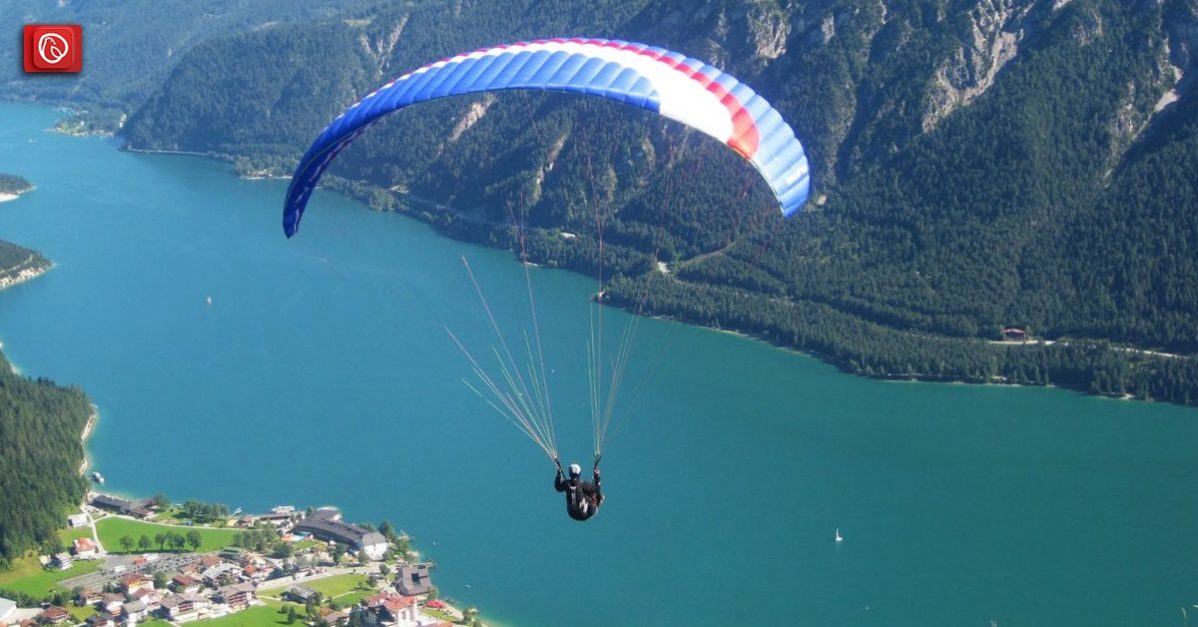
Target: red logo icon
(53,48)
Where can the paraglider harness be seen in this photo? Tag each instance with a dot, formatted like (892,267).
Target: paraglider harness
(582,497)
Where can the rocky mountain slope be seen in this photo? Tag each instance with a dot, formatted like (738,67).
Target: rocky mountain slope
(978,164)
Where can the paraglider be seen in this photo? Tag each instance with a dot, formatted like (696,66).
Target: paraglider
(670,84)
(583,498)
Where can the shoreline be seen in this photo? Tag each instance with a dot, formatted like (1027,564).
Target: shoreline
(88,428)
(824,356)
(844,366)
(13,195)
(176,153)
(23,275)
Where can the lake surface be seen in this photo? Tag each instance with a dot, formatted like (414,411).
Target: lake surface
(320,373)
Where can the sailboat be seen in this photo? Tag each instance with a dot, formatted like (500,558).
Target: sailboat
(838,536)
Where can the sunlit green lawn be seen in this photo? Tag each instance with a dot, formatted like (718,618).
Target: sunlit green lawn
(261,616)
(28,576)
(112,529)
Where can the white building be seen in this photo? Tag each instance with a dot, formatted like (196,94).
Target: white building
(326,524)
(7,608)
(85,549)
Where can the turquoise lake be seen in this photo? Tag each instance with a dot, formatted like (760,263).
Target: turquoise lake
(321,373)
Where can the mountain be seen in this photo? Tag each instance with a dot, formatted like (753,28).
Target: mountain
(130,46)
(978,164)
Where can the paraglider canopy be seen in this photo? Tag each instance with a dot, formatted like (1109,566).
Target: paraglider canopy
(668,83)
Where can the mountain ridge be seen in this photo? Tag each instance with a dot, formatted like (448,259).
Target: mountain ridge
(977,164)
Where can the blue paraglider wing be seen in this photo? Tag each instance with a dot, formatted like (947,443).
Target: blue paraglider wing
(667,83)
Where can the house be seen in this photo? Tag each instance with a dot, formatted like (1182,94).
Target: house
(208,561)
(78,520)
(56,615)
(62,561)
(378,600)
(101,619)
(237,596)
(185,584)
(91,596)
(111,602)
(375,600)
(7,607)
(85,548)
(1013,334)
(336,618)
(326,524)
(405,614)
(413,579)
(133,582)
(298,593)
(256,573)
(216,575)
(278,519)
(396,609)
(185,607)
(134,611)
(235,554)
(151,598)
(191,568)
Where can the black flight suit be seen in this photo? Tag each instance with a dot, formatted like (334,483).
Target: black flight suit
(582,497)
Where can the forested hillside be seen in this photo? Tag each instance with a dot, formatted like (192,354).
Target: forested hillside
(40,428)
(979,164)
(129,46)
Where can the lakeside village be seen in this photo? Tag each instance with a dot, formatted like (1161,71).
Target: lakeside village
(286,567)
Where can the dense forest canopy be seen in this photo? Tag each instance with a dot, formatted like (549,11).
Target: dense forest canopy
(40,426)
(978,165)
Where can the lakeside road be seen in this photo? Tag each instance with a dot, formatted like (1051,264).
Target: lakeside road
(1125,349)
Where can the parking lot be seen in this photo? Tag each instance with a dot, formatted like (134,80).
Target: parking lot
(116,566)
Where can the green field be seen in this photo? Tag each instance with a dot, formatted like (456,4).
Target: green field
(253,617)
(306,543)
(80,613)
(111,530)
(435,613)
(174,515)
(346,589)
(333,587)
(28,576)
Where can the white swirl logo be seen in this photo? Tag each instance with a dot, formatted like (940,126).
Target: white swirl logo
(52,48)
